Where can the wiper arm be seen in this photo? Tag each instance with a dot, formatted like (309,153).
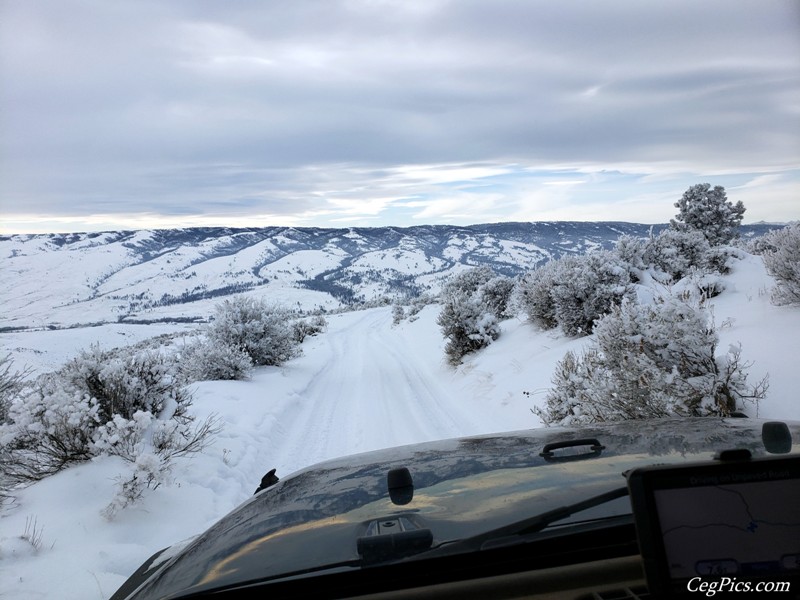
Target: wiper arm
(525,526)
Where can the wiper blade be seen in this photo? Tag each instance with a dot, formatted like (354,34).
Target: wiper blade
(525,526)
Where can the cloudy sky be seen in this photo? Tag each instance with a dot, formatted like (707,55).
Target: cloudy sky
(144,113)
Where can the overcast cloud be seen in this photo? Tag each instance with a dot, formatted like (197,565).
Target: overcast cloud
(370,112)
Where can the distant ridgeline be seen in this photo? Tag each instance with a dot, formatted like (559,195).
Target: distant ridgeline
(137,272)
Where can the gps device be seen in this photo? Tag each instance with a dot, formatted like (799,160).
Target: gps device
(722,526)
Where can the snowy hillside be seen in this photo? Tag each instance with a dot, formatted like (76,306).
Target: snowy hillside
(64,280)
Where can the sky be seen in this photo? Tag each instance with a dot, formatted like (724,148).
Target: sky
(340,113)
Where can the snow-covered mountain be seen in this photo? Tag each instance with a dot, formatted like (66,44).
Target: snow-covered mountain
(64,280)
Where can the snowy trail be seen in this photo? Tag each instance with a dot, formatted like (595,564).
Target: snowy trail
(362,385)
(370,390)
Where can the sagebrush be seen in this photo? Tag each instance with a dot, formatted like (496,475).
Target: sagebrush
(472,302)
(116,402)
(261,330)
(782,259)
(650,361)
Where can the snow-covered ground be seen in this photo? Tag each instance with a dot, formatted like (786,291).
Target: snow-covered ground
(362,385)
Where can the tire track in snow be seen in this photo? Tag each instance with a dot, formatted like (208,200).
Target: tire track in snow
(374,391)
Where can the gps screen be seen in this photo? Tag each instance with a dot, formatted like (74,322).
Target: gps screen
(736,529)
(734,520)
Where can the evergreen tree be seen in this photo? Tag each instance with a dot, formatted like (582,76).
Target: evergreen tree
(708,210)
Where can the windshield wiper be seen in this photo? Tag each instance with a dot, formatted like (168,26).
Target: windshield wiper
(523,527)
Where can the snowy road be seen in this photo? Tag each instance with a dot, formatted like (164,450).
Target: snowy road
(361,386)
(371,390)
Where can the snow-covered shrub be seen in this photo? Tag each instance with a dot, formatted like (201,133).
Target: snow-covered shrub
(467,324)
(783,263)
(650,361)
(756,245)
(719,259)
(149,472)
(573,384)
(417,304)
(145,433)
(204,361)
(533,294)
(303,328)
(11,383)
(49,428)
(631,252)
(400,312)
(708,211)
(587,287)
(117,402)
(673,253)
(574,291)
(699,285)
(468,281)
(151,465)
(496,294)
(123,382)
(472,303)
(260,329)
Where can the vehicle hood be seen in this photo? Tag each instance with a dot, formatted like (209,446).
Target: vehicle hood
(462,487)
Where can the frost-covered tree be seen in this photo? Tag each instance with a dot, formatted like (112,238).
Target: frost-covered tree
(707,210)
(782,259)
(259,329)
(650,361)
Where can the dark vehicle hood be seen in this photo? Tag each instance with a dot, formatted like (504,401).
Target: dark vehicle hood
(462,487)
